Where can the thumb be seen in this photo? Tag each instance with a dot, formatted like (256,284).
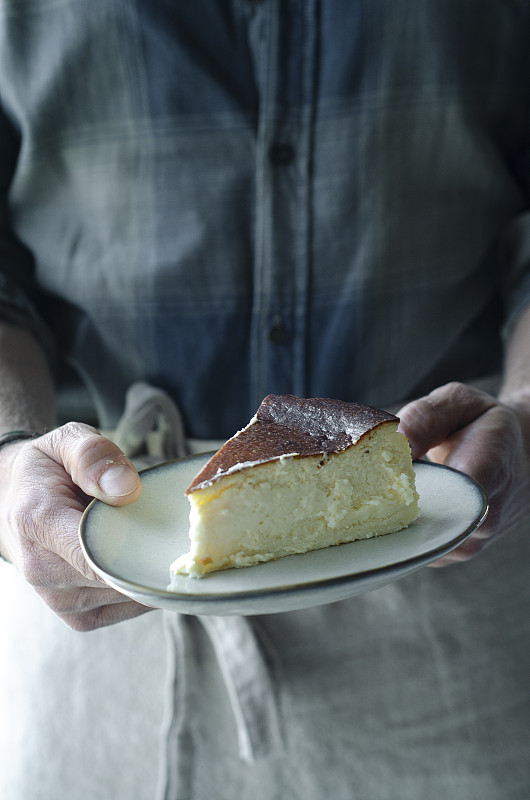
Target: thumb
(94,463)
(432,419)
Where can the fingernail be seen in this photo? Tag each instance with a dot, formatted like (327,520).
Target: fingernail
(118,481)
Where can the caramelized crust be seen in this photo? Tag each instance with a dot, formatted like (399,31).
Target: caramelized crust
(288,425)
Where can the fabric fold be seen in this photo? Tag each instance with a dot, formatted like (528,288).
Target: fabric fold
(149,431)
(150,427)
(243,664)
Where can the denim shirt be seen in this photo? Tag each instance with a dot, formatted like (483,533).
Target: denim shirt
(233,198)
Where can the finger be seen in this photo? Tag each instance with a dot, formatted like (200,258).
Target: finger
(48,571)
(53,556)
(96,465)
(432,419)
(465,552)
(79,600)
(483,449)
(104,615)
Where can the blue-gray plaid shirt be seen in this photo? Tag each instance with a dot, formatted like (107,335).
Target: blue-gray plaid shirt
(233,198)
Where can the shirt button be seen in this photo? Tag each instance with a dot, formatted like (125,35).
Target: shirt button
(281,153)
(278,332)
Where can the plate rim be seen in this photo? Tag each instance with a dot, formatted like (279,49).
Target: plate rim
(411,563)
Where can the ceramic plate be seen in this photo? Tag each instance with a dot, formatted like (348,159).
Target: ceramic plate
(132,548)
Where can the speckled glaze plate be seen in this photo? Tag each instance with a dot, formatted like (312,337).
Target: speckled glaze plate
(132,547)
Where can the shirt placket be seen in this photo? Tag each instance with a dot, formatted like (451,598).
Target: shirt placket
(283,41)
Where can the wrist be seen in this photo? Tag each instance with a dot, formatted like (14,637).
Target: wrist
(519,405)
(518,401)
(7,439)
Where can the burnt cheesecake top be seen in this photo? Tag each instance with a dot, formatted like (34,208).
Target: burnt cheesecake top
(289,425)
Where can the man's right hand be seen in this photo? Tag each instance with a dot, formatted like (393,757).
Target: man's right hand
(45,485)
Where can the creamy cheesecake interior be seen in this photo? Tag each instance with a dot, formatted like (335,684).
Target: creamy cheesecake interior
(295,503)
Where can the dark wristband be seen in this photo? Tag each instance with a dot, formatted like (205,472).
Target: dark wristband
(15,436)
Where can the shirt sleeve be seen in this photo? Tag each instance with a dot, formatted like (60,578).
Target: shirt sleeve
(17,285)
(515,261)
(514,255)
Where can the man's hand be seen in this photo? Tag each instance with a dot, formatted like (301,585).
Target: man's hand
(473,432)
(45,486)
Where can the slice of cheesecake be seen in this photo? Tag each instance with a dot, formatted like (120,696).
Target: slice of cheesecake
(304,474)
